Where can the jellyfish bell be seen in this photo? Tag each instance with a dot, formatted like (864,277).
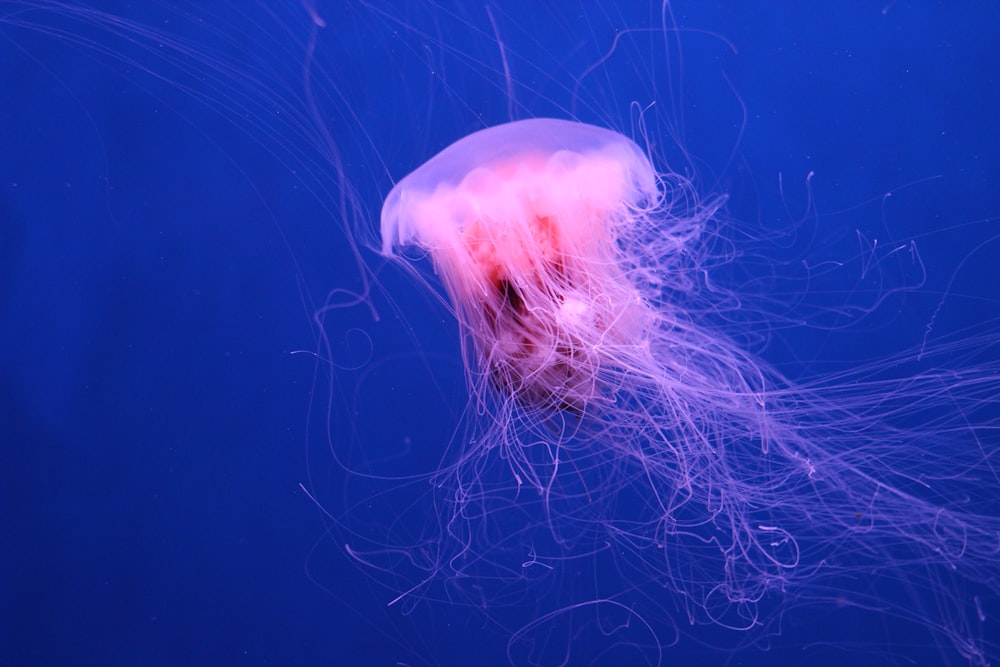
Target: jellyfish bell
(524,224)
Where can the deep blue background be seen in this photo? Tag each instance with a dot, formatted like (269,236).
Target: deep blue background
(162,252)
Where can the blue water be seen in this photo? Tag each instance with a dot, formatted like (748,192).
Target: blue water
(164,242)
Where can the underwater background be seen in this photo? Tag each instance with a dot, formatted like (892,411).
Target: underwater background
(165,240)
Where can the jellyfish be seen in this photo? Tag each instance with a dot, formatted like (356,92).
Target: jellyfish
(627,475)
(619,422)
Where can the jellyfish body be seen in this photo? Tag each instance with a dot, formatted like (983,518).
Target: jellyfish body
(522,222)
(576,272)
